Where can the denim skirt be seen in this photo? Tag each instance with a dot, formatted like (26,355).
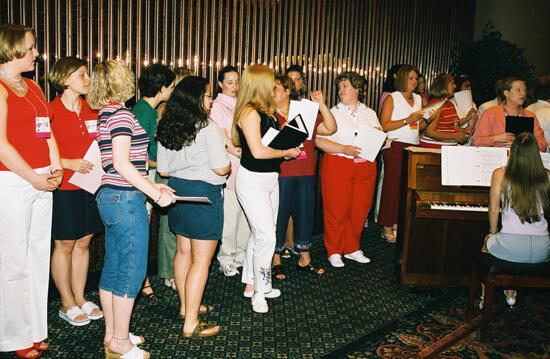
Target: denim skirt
(197,220)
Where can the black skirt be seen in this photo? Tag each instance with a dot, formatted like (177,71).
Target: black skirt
(75,215)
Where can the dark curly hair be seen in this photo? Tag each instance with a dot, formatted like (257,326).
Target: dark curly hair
(153,78)
(184,115)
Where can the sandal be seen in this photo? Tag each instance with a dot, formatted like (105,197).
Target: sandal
(29,353)
(151,296)
(204,309)
(310,268)
(134,339)
(43,346)
(286,254)
(277,272)
(390,238)
(71,314)
(88,309)
(134,353)
(170,283)
(199,331)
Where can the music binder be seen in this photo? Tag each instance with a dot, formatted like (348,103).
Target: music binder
(519,124)
(290,136)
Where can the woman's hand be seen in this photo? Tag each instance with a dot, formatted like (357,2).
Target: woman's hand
(414,117)
(79,165)
(291,153)
(45,182)
(317,96)
(351,150)
(460,137)
(166,196)
(505,139)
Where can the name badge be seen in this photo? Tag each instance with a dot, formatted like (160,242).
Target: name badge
(413,126)
(91,126)
(43,127)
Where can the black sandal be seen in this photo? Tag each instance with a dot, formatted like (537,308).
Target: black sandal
(310,268)
(277,271)
(151,296)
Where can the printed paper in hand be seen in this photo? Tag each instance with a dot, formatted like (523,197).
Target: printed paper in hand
(193,199)
(464,102)
(370,140)
(428,111)
(92,180)
(308,110)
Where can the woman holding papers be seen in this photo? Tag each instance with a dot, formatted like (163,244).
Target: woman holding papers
(402,119)
(491,130)
(347,180)
(191,150)
(257,183)
(520,192)
(445,129)
(296,182)
(121,203)
(30,169)
(75,217)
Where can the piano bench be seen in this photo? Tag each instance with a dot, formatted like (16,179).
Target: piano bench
(494,272)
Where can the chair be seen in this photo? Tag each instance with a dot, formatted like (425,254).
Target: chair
(494,272)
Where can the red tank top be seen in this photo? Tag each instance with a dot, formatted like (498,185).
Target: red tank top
(21,125)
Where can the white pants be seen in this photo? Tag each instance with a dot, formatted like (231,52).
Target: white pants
(259,195)
(25,232)
(235,231)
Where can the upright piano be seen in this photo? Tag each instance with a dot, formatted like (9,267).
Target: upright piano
(439,227)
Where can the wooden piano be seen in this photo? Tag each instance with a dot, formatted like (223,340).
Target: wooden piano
(440,227)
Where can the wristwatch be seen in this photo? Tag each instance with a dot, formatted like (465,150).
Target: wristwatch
(405,122)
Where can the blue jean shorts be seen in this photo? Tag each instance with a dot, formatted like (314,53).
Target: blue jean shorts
(124,215)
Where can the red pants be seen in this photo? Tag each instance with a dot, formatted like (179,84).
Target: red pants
(347,190)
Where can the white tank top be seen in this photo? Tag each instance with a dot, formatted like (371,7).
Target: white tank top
(402,110)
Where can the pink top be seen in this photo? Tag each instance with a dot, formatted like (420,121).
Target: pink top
(493,122)
(221,112)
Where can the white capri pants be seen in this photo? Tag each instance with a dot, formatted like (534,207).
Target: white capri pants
(25,232)
(258,193)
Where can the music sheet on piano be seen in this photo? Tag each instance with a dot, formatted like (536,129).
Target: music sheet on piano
(470,166)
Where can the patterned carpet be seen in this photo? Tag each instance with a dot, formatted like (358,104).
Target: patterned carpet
(313,318)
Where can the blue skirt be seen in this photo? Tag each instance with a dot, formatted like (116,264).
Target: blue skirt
(197,220)
(519,248)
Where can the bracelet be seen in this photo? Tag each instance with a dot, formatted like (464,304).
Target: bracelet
(160,196)
(492,232)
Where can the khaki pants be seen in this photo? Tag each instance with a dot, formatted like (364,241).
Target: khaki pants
(235,231)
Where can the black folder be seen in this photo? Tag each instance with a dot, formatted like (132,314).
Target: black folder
(291,135)
(519,124)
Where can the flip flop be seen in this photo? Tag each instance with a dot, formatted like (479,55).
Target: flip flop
(203,309)
(71,314)
(88,309)
(134,353)
(199,330)
(277,271)
(310,268)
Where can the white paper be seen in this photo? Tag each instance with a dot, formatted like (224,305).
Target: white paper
(464,102)
(193,199)
(269,136)
(90,181)
(370,140)
(428,111)
(308,110)
(545,157)
(470,166)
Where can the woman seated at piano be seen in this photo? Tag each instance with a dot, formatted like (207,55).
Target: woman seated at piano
(445,130)
(491,130)
(520,191)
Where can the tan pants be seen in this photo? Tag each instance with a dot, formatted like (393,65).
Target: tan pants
(235,231)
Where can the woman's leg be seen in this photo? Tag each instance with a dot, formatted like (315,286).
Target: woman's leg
(80,262)
(202,252)
(182,263)
(62,274)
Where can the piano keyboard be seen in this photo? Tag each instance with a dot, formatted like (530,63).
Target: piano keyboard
(469,207)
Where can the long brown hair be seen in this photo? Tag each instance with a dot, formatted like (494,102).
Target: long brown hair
(525,186)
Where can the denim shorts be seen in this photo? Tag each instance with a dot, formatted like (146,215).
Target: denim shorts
(124,215)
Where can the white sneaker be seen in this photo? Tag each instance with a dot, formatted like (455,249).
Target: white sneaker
(357,256)
(229,270)
(511,300)
(273,294)
(335,260)
(259,305)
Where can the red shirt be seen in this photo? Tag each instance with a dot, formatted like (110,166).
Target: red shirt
(305,166)
(71,134)
(21,125)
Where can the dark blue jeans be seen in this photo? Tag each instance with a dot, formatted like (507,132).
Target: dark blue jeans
(296,199)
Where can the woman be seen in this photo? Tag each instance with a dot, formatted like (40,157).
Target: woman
(30,170)
(75,217)
(401,118)
(121,203)
(347,181)
(191,150)
(521,193)
(389,84)
(296,181)
(421,89)
(491,130)
(256,183)
(446,129)
(235,226)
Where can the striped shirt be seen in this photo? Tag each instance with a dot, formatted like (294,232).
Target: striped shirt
(448,122)
(116,120)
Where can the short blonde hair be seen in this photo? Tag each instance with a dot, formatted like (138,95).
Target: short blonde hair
(112,81)
(12,42)
(255,92)
(62,69)
(440,86)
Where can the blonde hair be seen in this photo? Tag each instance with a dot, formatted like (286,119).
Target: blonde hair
(12,42)
(440,86)
(255,93)
(112,81)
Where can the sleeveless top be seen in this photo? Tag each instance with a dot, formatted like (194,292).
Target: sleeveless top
(402,110)
(21,125)
(259,165)
(511,223)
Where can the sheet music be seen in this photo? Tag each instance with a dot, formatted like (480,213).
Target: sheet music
(464,102)
(370,140)
(428,111)
(90,181)
(545,157)
(193,199)
(308,110)
(470,166)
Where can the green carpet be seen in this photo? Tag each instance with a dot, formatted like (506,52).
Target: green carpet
(313,318)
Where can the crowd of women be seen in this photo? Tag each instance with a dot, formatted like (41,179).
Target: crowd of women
(177,140)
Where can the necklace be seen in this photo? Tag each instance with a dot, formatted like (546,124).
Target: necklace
(13,79)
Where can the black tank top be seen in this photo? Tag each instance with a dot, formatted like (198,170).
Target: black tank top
(247,160)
